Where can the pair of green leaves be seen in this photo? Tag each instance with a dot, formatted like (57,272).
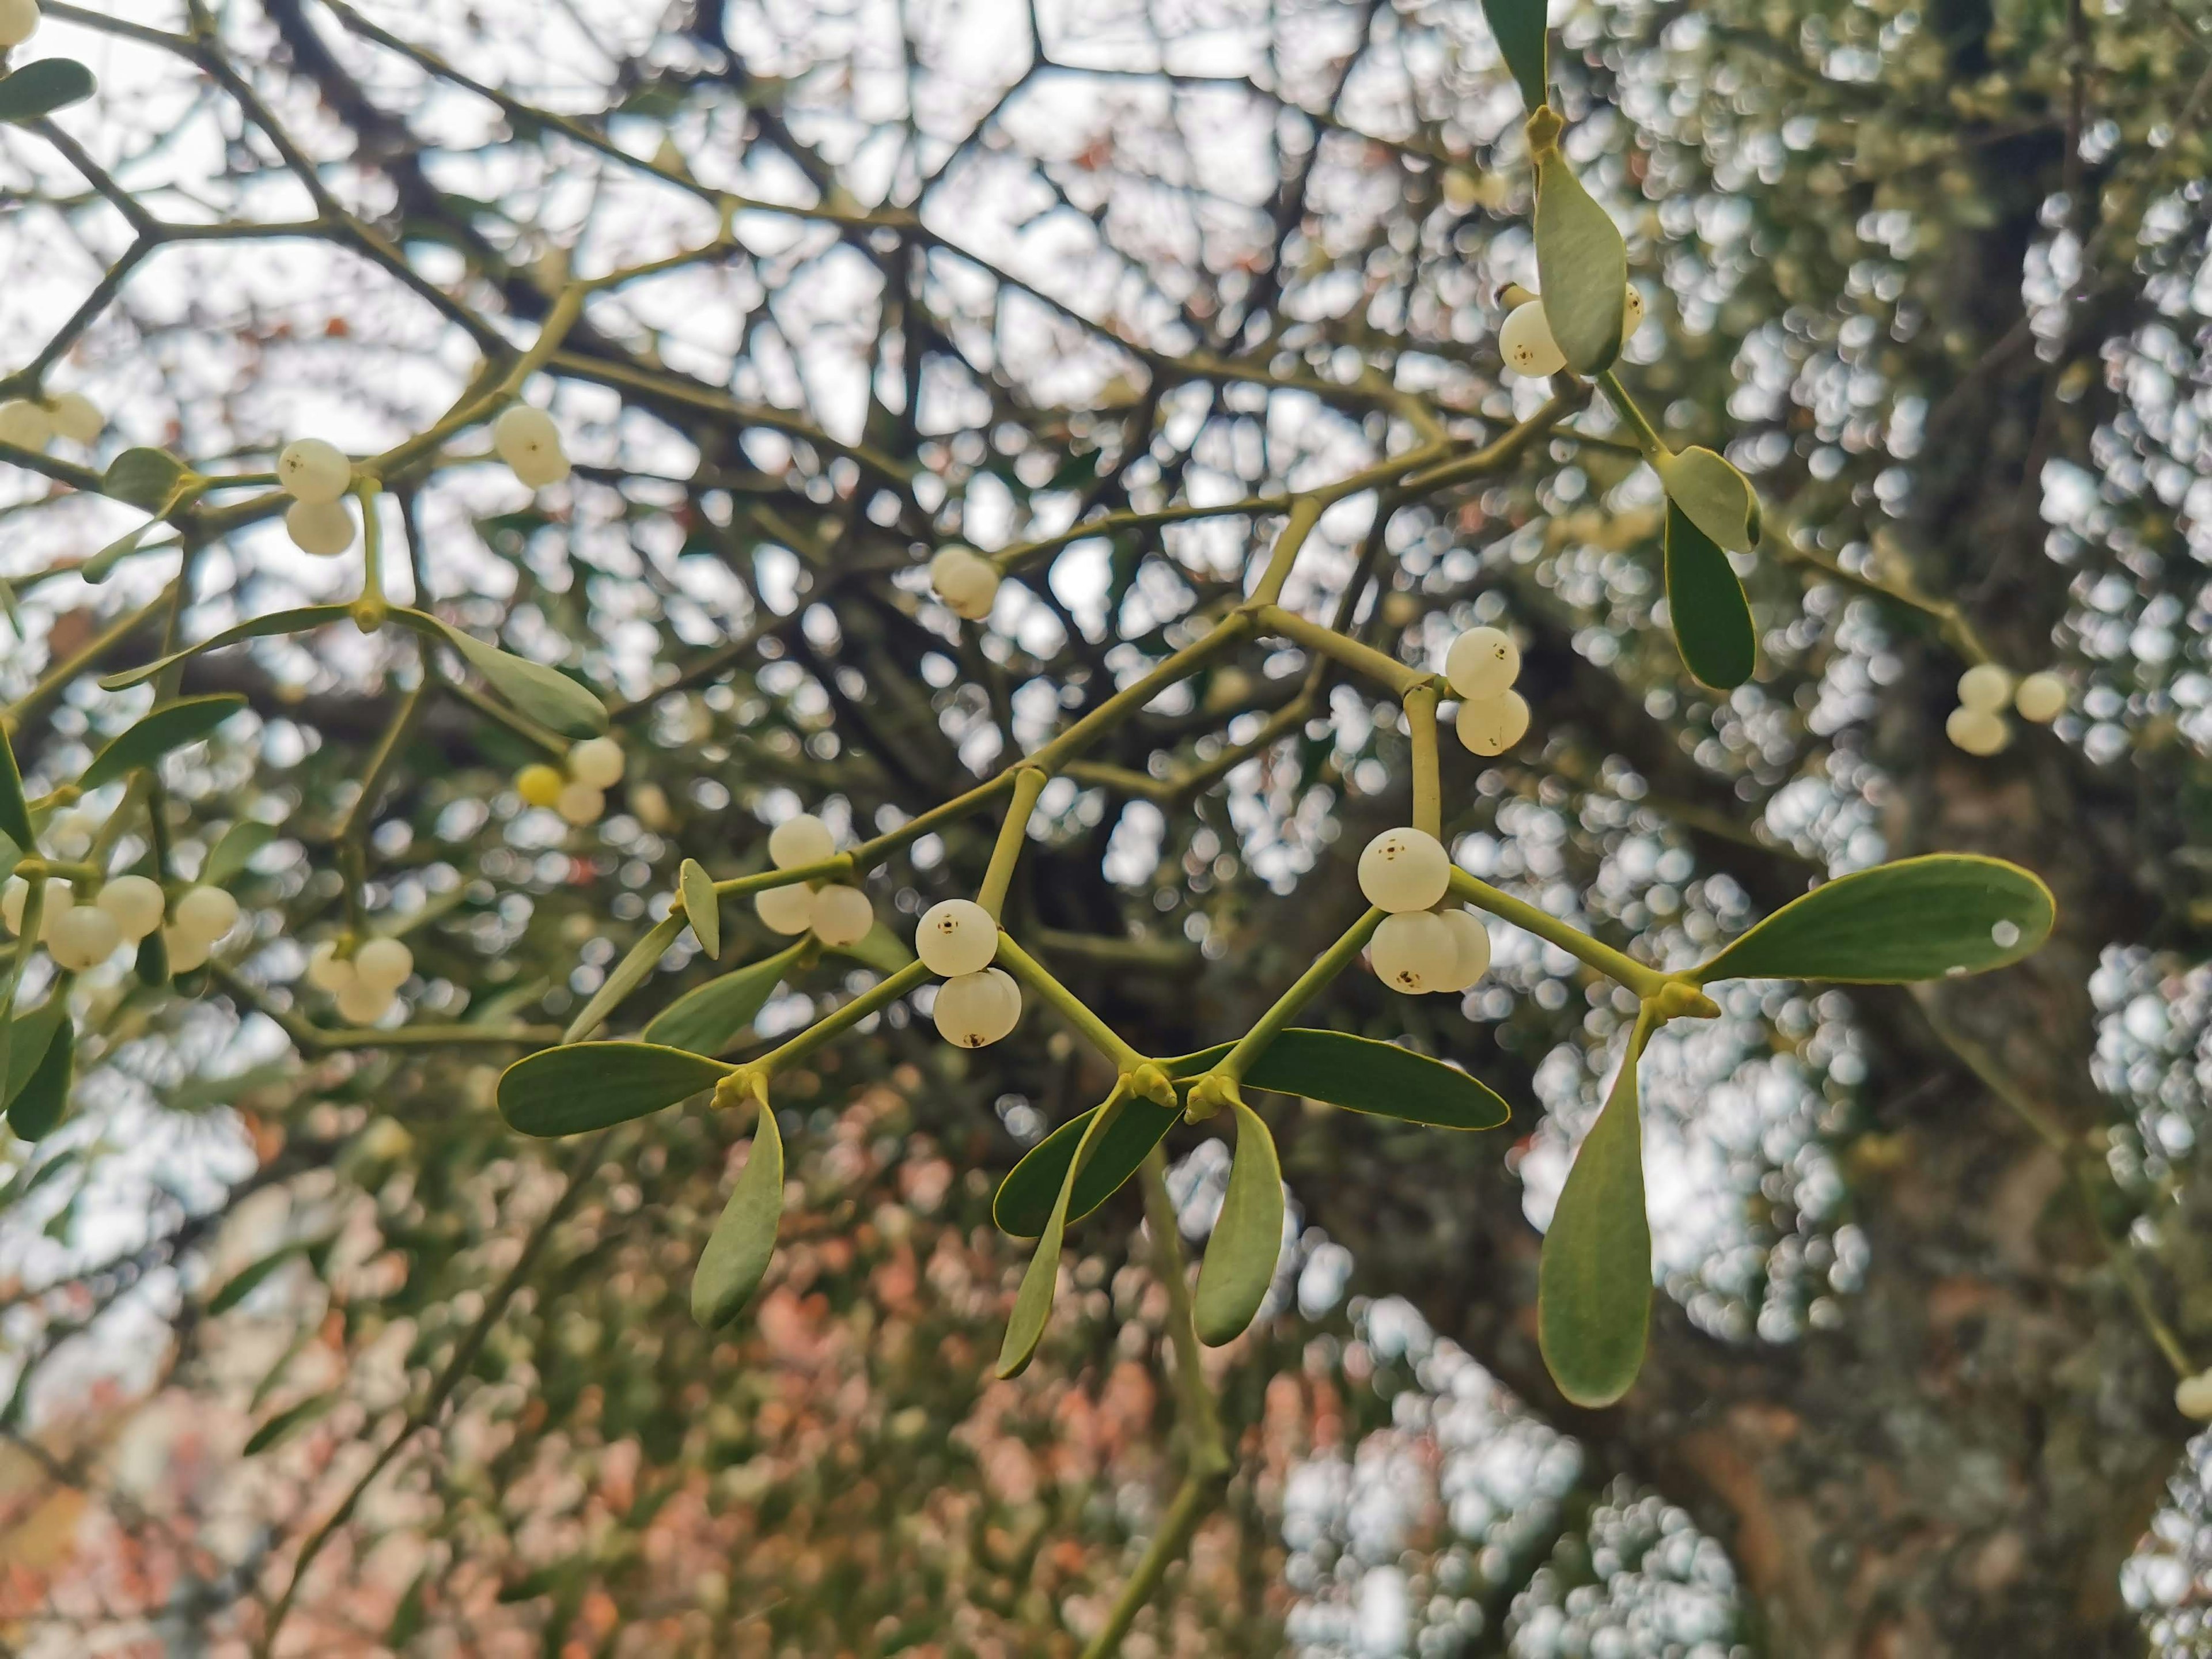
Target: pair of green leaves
(39,89)
(1936,917)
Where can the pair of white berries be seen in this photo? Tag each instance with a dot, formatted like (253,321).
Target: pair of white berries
(125,910)
(978,1004)
(1525,341)
(1978,724)
(19,21)
(29,425)
(595,766)
(838,913)
(966,581)
(365,984)
(1481,666)
(1418,947)
(316,475)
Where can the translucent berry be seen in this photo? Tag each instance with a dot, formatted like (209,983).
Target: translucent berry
(327,970)
(966,581)
(580,804)
(1491,726)
(205,913)
(2041,698)
(956,937)
(1526,344)
(787,909)
(650,802)
(60,899)
(135,902)
(19,21)
(1985,687)
(314,471)
(383,962)
(84,936)
(323,528)
(539,785)
(1414,952)
(530,443)
(842,914)
(76,416)
(363,1004)
(1482,662)
(1404,869)
(1472,940)
(798,841)
(25,424)
(1977,730)
(1631,316)
(2192,1396)
(597,761)
(976,1010)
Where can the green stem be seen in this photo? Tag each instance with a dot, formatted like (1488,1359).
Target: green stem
(1032,973)
(839,868)
(1647,435)
(1305,513)
(1644,982)
(1223,634)
(370,610)
(1428,783)
(1331,963)
(1327,641)
(868,1002)
(1209,1451)
(1014,833)
(1193,1502)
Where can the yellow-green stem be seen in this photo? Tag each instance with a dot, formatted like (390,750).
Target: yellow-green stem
(1308,985)
(1428,784)
(1013,833)
(1644,982)
(1102,1036)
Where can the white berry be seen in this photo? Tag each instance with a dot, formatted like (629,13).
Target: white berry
(206,912)
(1472,940)
(2192,1396)
(530,443)
(956,937)
(1526,343)
(1977,730)
(76,416)
(1404,869)
(135,902)
(1414,952)
(362,1003)
(786,910)
(383,962)
(19,21)
(324,529)
(314,471)
(977,1009)
(2041,698)
(1985,687)
(327,970)
(1482,662)
(185,952)
(597,761)
(85,937)
(1491,726)
(842,915)
(60,899)
(966,581)
(799,841)
(580,804)
(25,424)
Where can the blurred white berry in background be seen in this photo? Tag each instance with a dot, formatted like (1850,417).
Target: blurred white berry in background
(966,581)
(527,438)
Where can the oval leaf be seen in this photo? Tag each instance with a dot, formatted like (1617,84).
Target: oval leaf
(1706,604)
(589,1085)
(1518,26)
(1922,918)
(1362,1075)
(289,1421)
(243,1282)
(300,621)
(27,1042)
(1716,497)
(1033,1301)
(34,1112)
(229,856)
(1594,1282)
(709,1017)
(629,974)
(1248,1238)
(545,694)
(701,906)
(738,1252)
(14,809)
(1582,265)
(101,565)
(147,479)
(44,87)
(1022,1205)
(163,729)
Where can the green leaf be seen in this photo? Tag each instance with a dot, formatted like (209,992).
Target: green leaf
(229,856)
(701,906)
(152,960)
(242,1283)
(1706,602)
(34,1031)
(289,1421)
(41,88)
(101,565)
(1582,265)
(34,1112)
(589,1085)
(1362,1075)
(1518,26)
(149,479)
(14,809)
(300,621)
(738,1252)
(1248,1238)
(629,974)
(880,949)
(1922,918)
(709,1017)
(1023,1203)
(169,727)
(1593,1281)
(1714,496)
(1033,1301)
(544,694)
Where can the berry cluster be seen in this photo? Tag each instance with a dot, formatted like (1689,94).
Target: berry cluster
(1526,344)
(579,795)
(1422,945)
(978,1004)
(1978,724)
(837,913)
(1481,666)
(365,984)
(71,415)
(125,910)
